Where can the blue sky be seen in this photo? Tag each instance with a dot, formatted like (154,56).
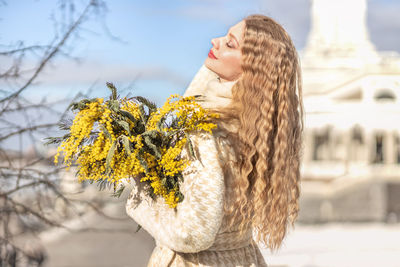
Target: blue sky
(163,43)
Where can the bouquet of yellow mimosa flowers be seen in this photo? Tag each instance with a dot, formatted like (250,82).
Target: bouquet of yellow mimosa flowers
(131,138)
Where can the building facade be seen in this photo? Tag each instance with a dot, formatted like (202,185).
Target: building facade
(352,118)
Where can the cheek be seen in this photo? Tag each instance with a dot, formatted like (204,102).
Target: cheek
(233,60)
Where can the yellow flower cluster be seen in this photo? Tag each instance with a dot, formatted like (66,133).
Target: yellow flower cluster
(190,114)
(80,129)
(132,108)
(99,145)
(169,163)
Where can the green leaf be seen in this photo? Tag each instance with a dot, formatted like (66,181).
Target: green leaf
(81,104)
(110,155)
(103,184)
(126,143)
(106,132)
(160,124)
(151,105)
(149,137)
(190,146)
(180,196)
(124,125)
(118,192)
(114,105)
(142,114)
(140,128)
(56,140)
(180,176)
(128,115)
(113,90)
(164,181)
(142,161)
(65,124)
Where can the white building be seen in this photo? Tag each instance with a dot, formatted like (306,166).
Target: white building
(351,96)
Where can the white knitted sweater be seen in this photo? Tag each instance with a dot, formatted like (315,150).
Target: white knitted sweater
(196,234)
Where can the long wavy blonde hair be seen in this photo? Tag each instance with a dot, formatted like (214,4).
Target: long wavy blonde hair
(267,105)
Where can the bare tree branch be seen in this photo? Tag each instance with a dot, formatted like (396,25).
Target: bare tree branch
(53,51)
(32,128)
(33,197)
(24,49)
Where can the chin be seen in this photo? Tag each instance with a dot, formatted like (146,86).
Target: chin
(207,62)
(210,66)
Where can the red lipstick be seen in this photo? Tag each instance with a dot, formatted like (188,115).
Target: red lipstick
(211,54)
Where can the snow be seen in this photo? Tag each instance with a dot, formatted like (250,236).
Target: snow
(334,245)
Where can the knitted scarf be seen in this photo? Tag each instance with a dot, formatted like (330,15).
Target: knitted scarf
(214,93)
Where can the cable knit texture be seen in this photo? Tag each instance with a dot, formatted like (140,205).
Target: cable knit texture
(196,233)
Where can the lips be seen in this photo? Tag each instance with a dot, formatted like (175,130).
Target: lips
(211,54)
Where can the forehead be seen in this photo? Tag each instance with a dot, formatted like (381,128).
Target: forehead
(237,30)
(238,26)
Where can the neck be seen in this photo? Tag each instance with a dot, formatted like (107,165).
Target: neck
(222,80)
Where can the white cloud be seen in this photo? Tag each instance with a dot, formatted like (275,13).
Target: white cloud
(89,71)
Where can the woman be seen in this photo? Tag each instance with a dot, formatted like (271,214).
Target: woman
(246,178)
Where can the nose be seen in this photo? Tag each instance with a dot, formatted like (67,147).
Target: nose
(215,42)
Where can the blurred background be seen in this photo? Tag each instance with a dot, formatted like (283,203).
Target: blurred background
(54,52)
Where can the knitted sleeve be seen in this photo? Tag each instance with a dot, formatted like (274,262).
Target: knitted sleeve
(197,219)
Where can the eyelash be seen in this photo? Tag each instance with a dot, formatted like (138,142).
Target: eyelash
(227,44)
